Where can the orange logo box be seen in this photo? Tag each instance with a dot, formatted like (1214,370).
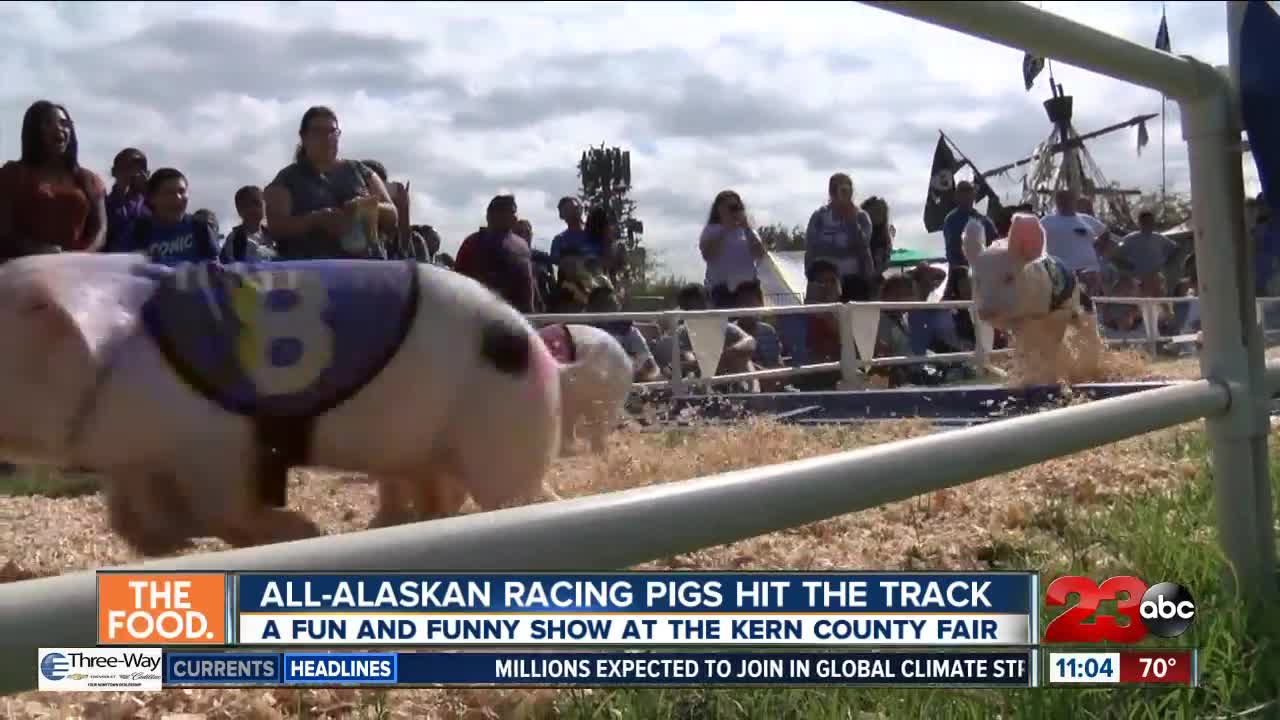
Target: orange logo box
(162,609)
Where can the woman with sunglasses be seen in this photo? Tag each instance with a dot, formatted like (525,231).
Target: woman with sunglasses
(839,233)
(730,248)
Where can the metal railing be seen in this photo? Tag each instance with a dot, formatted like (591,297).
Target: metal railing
(619,529)
(854,358)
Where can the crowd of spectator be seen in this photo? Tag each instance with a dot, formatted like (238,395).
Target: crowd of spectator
(322,205)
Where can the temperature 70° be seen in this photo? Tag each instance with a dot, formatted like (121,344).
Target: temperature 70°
(1156,667)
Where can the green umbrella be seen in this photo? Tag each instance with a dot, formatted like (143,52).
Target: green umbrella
(902,257)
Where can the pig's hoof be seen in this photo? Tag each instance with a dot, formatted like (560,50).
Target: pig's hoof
(160,546)
(390,518)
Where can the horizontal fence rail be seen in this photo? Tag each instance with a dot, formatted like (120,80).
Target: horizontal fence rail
(629,527)
(1020,26)
(1150,337)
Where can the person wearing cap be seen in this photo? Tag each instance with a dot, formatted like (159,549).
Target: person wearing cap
(127,200)
(498,258)
(952,235)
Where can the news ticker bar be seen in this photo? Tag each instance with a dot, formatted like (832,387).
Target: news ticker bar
(1122,667)
(601,669)
(152,669)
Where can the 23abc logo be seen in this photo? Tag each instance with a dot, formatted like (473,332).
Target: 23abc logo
(1165,610)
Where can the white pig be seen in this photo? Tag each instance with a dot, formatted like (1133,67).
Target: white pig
(167,380)
(595,378)
(1017,287)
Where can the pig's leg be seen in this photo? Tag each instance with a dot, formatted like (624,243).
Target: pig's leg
(266,526)
(223,490)
(571,410)
(1058,355)
(568,421)
(142,509)
(394,500)
(1091,348)
(1040,354)
(440,494)
(411,497)
(1026,353)
(601,417)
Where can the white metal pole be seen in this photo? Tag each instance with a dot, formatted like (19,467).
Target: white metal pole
(1020,26)
(850,378)
(671,325)
(1233,349)
(980,360)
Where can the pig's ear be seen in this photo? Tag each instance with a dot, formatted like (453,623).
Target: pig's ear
(1026,238)
(77,319)
(975,240)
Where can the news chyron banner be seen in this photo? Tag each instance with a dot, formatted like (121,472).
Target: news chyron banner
(615,629)
(635,609)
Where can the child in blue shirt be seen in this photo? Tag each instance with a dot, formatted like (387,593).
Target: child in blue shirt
(171,235)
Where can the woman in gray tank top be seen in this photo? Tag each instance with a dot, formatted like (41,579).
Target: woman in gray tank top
(310,203)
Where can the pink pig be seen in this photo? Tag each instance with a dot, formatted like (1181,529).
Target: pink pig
(171,381)
(1017,287)
(593,386)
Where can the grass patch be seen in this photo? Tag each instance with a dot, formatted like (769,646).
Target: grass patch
(1157,536)
(47,482)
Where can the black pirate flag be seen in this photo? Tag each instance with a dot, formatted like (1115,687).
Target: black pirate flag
(942,187)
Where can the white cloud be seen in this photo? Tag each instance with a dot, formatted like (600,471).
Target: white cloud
(467,99)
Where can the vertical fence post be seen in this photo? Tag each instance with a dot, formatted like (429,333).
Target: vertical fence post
(850,378)
(1233,351)
(1150,325)
(671,325)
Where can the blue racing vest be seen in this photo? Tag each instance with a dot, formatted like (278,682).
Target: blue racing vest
(1062,282)
(282,342)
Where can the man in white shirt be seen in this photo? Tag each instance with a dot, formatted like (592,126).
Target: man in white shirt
(1070,236)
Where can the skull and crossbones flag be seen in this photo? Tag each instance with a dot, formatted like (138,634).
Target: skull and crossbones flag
(1031,67)
(942,187)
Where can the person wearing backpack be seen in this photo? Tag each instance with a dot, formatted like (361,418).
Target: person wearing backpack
(249,241)
(171,235)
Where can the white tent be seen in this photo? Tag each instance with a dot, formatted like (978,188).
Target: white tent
(782,277)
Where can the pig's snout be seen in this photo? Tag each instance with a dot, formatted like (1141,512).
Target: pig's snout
(544,368)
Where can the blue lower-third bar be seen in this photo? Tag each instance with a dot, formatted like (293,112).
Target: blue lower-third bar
(602,669)
(655,669)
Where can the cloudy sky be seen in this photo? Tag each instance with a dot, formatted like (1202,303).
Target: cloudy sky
(470,99)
